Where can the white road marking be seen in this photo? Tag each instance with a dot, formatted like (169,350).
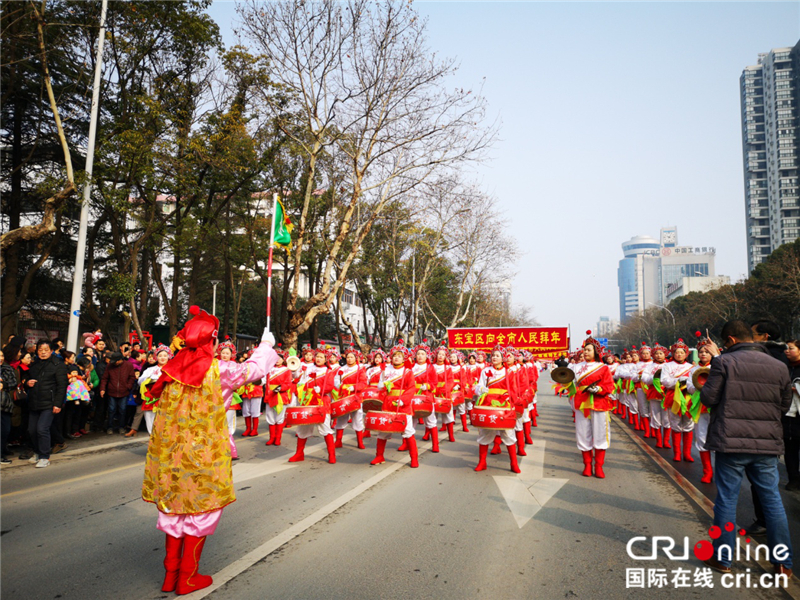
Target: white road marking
(527,492)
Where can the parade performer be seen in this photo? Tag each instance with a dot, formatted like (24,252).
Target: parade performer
(146,381)
(514,367)
(226,351)
(622,384)
(350,380)
(279,391)
(592,387)
(699,410)
(612,362)
(188,467)
(252,395)
(442,385)
(642,402)
(313,389)
(496,388)
(677,403)
(460,381)
(633,374)
(533,379)
(377,362)
(398,382)
(425,381)
(473,374)
(659,420)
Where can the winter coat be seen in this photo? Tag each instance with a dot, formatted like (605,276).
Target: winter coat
(51,384)
(118,380)
(9,377)
(747,392)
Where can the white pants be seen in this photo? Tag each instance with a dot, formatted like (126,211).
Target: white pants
(519,426)
(230,417)
(431,421)
(701,432)
(486,436)
(445,418)
(526,415)
(322,429)
(272,417)
(470,405)
(642,403)
(407,432)
(460,409)
(656,414)
(149,417)
(251,407)
(358,420)
(679,423)
(633,406)
(593,432)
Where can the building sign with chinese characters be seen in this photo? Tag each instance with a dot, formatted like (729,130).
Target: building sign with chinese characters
(544,342)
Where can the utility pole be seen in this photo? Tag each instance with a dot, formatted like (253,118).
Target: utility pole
(80,255)
(215,283)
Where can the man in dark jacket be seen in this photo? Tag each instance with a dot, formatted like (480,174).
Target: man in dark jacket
(116,385)
(747,392)
(47,391)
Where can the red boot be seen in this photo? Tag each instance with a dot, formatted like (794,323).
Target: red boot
(172,563)
(299,455)
(646,426)
(667,436)
(659,439)
(427,435)
(464,423)
(534,415)
(189,580)
(443,428)
(636,422)
(450,433)
(512,453)
(254,423)
(360,440)
(278,434)
(496,448)
(331,448)
(403,445)
(339,435)
(521,444)
(623,413)
(379,454)
(412,451)
(676,446)
(587,463)
(435,439)
(599,459)
(708,470)
(247,421)
(687,446)
(527,429)
(483,450)
(367,434)
(272,433)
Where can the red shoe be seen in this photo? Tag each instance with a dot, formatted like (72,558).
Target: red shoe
(527,429)
(331,449)
(435,438)
(512,453)
(443,427)
(659,440)
(676,446)
(708,470)
(427,435)
(272,434)
(379,454)
(247,421)
(521,444)
(667,435)
(496,448)
(483,450)
(83,432)
(464,423)
(412,451)
(299,455)
(254,430)
(278,434)
(360,440)
(189,580)
(587,463)
(339,435)
(636,422)
(687,446)
(599,459)
(367,434)
(451,436)
(646,426)
(172,563)
(403,445)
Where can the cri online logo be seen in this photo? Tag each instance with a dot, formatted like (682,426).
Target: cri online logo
(704,549)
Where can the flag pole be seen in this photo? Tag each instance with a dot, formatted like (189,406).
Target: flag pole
(269,261)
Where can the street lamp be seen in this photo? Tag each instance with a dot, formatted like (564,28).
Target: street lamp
(215,283)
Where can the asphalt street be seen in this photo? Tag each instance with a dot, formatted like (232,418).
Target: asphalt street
(79,528)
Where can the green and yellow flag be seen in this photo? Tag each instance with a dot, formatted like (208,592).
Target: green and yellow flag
(283,227)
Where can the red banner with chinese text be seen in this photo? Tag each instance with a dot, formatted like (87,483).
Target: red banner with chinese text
(543,342)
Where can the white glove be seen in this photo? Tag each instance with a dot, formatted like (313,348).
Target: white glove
(593,389)
(317,389)
(268,337)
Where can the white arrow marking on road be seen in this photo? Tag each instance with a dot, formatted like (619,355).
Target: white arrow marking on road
(527,492)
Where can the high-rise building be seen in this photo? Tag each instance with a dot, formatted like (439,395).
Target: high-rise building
(652,269)
(770,144)
(606,326)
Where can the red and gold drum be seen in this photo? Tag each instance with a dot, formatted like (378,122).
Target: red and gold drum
(490,417)
(387,422)
(458,398)
(371,399)
(305,415)
(345,406)
(421,406)
(442,405)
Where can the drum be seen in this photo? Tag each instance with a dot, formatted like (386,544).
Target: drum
(490,417)
(442,405)
(371,399)
(421,406)
(304,415)
(387,422)
(458,398)
(344,406)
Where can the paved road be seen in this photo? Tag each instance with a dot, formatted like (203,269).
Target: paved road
(311,530)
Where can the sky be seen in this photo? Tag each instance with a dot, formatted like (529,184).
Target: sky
(617,119)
